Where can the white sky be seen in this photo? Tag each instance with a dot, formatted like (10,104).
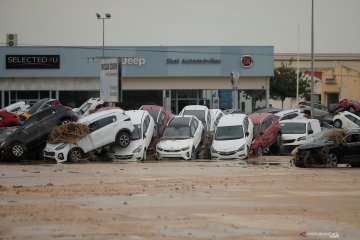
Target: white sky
(185,23)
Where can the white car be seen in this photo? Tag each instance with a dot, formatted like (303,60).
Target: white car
(18,106)
(89,106)
(181,139)
(216,115)
(232,137)
(201,112)
(290,114)
(346,120)
(298,131)
(106,127)
(144,130)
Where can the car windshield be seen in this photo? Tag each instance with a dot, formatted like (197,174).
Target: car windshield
(36,106)
(153,113)
(229,133)
(200,114)
(136,133)
(293,128)
(256,129)
(83,108)
(177,132)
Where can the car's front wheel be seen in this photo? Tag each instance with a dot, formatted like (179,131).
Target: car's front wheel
(193,154)
(75,155)
(260,151)
(17,150)
(338,123)
(123,139)
(331,160)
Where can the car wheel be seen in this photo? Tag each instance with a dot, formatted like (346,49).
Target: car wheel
(338,123)
(75,155)
(259,151)
(17,151)
(331,160)
(351,109)
(122,139)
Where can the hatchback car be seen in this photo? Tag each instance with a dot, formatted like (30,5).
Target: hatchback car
(346,120)
(181,138)
(33,133)
(232,137)
(298,131)
(160,116)
(89,106)
(346,104)
(37,107)
(201,112)
(8,119)
(106,127)
(329,151)
(267,133)
(141,136)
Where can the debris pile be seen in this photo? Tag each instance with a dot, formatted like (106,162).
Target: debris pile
(337,136)
(68,133)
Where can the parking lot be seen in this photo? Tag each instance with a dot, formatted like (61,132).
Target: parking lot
(265,199)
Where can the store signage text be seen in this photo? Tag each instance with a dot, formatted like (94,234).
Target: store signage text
(192,61)
(133,61)
(32,61)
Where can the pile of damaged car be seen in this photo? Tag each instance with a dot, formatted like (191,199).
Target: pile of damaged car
(97,131)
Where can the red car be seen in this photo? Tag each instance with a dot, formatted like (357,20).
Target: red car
(347,105)
(160,116)
(8,119)
(267,133)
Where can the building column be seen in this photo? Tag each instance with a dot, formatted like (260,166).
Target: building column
(267,92)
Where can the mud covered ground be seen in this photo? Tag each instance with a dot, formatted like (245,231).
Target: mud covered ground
(178,200)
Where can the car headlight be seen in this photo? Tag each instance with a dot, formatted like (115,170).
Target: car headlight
(159,148)
(138,149)
(241,148)
(185,148)
(301,139)
(60,147)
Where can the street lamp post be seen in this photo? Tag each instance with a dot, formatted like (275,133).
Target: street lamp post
(107,16)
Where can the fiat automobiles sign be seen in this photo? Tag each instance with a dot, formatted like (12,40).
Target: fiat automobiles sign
(246,61)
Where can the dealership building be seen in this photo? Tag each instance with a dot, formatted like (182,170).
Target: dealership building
(169,76)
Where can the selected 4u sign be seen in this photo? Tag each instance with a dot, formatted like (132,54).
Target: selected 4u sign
(110,79)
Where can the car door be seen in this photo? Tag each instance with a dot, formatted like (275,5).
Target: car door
(102,131)
(351,149)
(268,134)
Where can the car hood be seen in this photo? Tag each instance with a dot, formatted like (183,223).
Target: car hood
(228,145)
(53,146)
(175,144)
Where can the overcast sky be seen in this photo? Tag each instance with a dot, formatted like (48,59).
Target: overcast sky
(185,23)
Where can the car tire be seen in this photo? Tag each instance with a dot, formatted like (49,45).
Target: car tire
(259,151)
(17,150)
(338,123)
(123,139)
(299,165)
(144,155)
(331,160)
(75,155)
(352,109)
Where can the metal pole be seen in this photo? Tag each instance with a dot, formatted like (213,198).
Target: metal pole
(297,71)
(103,37)
(312,58)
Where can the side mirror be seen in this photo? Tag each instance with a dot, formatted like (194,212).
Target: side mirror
(246,134)
(310,132)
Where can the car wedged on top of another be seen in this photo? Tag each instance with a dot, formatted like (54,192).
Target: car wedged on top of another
(160,115)
(37,107)
(290,114)
(346,104)
(106,127)
(232,138)
(319,110)
(201,112)
(328,151)
(181,139)
(33,133)
(88,107)
(8,119)
(346,120)
(18,106)
(267,133)
(141,137)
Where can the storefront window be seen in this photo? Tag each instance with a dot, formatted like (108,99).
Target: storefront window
(76,98)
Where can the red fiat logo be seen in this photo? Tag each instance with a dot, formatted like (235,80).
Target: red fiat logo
(246,61)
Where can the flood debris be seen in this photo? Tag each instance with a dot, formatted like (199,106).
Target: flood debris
(68,133)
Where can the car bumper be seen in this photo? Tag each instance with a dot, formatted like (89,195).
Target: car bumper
(229,155)
(173,154)
(129,157)
(59,156)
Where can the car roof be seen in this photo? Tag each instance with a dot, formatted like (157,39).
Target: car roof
(232,119)
(195,107)
(300,120)
(281,113)
(96,115)
(151,107)
(182,120)
(259,117)
(136,116)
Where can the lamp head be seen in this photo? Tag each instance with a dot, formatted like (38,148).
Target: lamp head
(107,15)
(98,15)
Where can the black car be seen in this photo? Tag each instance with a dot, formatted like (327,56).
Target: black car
(32,135)
(332,148)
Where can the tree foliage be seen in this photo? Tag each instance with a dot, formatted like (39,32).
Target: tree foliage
(283,83)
